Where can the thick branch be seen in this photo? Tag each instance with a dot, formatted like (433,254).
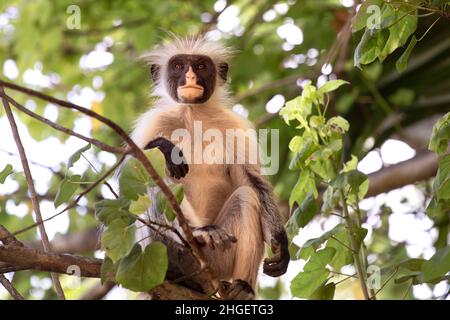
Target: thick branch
(22,258)
(79,242)
(52,262)
(421,167)
(7,238)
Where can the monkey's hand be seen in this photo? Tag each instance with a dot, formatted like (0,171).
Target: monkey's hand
(277,265)
(214,237)
(176,163)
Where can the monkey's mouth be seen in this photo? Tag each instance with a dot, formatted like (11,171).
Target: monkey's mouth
(191,87)
(190,92)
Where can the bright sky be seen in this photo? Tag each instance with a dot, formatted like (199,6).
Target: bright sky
(404,226)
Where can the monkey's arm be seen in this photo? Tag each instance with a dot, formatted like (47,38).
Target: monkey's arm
(175,161)
(273,230)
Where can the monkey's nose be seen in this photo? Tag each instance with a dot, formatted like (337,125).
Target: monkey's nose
(190,75)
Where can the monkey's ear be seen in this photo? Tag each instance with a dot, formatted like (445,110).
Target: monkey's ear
(223,70)
(154,70)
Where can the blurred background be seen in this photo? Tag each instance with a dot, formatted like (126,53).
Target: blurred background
(281,44)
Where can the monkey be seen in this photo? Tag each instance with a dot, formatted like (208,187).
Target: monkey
(230,206)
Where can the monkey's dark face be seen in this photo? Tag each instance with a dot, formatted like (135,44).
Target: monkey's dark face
(192,78)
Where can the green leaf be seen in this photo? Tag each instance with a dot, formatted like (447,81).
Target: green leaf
(322,165)
(142,271)
(437,266)
(5,173)
(411,264)
(299,159)
(163,206)
(399,31)
(440,135)
(369,46)
(67,189)
(330,200)
(324,292)
(306,211)
(304,185)
(359,234)
(76,156)
(403,279)
(296,144)
(350,164)
(313,275)
(340,242)
(117,239)
(403,97)
(338,124)
(134,179)
(402,62)
(109,210)
(140,205)
(361,18)
(441,185)
(354,183)
(317,242)
(331,86)
(107,270)
(294,251)
(305,252)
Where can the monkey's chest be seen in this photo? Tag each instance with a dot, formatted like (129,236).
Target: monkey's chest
(206,189)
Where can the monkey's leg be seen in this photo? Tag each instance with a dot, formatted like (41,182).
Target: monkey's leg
(239,216)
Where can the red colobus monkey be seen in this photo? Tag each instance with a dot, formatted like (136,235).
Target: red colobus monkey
(229,204)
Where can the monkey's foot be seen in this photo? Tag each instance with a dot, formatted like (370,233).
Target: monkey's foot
(213,236)
(238,290)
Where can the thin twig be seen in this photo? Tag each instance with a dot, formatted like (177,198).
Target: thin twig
(150,223)
(106,183)
(10,288)
(75,202)
(99,31)
(345,279)
(386,282)
(343,244)
(356,260)
(344,274)
(407,290)
(52,170)
(33,194)
(95,142)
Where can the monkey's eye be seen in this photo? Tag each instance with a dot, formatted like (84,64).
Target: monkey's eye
(178,66)
(201,66)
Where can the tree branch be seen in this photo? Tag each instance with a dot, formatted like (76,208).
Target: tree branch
(22,258)
(33,194)
(75,202)
(9,287)
(47,261)
(95,142)
(421,167)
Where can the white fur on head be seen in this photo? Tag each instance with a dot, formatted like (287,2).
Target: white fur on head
(188,45)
